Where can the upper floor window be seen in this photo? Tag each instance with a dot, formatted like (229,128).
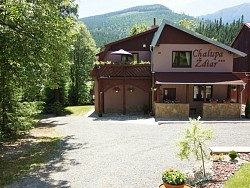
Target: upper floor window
(181,59)
(134,58)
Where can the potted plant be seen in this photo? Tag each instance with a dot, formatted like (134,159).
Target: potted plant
(227,100)
(173,178)
(213,100)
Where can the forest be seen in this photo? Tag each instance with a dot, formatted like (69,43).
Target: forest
(46,56)
(217,30)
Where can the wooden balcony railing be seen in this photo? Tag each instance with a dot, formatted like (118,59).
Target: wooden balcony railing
(107,71)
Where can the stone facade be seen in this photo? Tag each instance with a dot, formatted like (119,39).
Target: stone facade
(221,110)
(173,111)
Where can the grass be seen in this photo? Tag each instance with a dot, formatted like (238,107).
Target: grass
(12,168)
(78,110)
(241,179)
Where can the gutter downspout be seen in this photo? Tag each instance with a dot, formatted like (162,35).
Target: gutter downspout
(153,79)
(152,62)
(244,87)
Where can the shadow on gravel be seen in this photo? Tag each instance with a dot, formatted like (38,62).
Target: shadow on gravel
(119,117)
(32,161)
(46,123)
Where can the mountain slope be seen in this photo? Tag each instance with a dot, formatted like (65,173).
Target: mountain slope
(229,14)
(110,27)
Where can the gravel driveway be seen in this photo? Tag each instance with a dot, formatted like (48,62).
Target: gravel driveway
(121,151)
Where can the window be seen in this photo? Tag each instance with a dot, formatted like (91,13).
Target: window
(200,91)
(134,58)
(169,94)
(181,59)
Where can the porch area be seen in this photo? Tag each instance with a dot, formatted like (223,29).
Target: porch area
(209,95)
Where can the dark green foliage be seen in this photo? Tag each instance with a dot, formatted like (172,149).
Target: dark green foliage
(173,177)
(247,109)
(217,30)
(83,58)
(114,26)
(232,154)
(21,118)
(55,100)
(35,43)
(136,29)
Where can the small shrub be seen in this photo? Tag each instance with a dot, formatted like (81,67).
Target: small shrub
(173,177)
(58,109)
(217,157)
(232,154)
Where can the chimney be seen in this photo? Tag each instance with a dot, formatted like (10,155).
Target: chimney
(154,26)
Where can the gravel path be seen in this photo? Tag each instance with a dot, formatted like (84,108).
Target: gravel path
(120,152)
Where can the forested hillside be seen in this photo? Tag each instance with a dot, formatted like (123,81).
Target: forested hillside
(116,25)
(217,30)
(230,14)
(113,26)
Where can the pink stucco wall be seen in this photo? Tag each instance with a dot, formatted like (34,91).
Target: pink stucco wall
(201,61)
(143,56)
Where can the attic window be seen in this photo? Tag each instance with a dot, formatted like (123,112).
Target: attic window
(181,59)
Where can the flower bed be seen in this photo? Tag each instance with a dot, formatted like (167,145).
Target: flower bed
(223,171)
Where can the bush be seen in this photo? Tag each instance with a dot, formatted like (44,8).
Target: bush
(21,119)
(232,154)
(173,177)
(217,157)
(58,109)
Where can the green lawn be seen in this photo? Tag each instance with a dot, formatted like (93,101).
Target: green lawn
(78,110)
(241,179)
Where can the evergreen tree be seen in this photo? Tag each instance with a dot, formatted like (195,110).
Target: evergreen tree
(219,31)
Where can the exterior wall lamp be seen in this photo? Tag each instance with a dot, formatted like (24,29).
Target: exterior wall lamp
(131,89)
(116,89)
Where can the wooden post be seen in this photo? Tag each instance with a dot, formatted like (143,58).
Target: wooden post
(158,93)
(98,100)
(238,93)
(187,93)
(124,97)
(205,94)
(101,103)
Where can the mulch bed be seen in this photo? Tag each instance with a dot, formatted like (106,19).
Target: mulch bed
(223,171)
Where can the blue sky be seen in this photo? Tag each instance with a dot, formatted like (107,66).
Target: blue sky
(191,7)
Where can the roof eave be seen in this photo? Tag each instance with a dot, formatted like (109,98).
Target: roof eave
(202,37)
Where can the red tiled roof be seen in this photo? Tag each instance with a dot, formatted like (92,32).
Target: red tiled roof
(196,78)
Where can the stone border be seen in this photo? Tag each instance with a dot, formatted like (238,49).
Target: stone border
(217,150)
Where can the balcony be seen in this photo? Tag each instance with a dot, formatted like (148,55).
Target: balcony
(114,71)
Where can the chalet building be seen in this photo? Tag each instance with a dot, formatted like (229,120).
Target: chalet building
(241,65)
(188,75)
